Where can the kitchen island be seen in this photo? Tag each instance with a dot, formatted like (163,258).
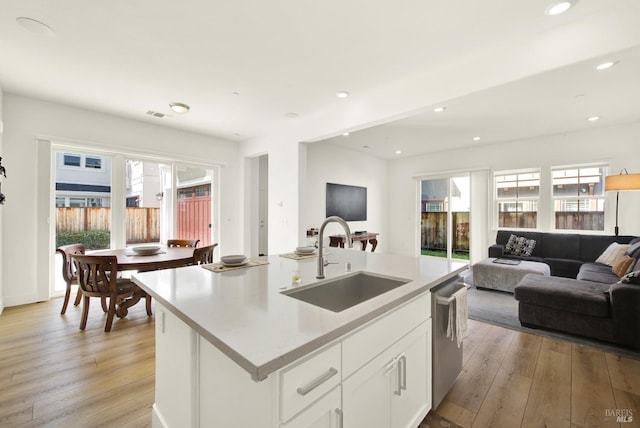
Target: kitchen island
(233,350)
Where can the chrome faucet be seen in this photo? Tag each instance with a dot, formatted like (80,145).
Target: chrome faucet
(321,244)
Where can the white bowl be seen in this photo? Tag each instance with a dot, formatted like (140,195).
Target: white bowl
(236,259)
(305,250)
(146,250)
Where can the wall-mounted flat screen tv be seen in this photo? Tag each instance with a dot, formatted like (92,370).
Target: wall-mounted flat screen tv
(348,202)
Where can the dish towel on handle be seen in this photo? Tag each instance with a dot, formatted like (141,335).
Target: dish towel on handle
(457,326)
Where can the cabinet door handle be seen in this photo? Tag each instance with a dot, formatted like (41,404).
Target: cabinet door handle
(403,370)
(339,418)
(304,390)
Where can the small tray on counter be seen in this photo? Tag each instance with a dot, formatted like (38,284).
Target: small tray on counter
(296,256)
(219,267)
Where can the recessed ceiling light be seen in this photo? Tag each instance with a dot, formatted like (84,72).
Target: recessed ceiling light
(593,118)
(476,138)
(605,65)
(342,94)
(398,152)
(35,26)
(291,115)
(179,107)
(439,109)
(346,134)
(557,8)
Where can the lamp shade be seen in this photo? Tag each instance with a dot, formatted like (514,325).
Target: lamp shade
(621,182)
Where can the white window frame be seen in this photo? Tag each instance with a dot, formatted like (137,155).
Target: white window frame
(497,200)
(578,198)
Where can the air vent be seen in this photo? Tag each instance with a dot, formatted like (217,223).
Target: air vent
(155,114)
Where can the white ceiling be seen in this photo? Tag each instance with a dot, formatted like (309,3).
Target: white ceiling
(281,56)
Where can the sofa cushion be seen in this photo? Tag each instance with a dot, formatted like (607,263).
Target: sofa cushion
(622,266)
(566,268)
(613,252)
(634,249)
(565,294)
(597,272)
(561,246)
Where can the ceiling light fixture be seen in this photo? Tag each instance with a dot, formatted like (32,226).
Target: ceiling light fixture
(180,108)
(346,134)
(35,26)
(557,8)
(291,115)
(476,138)
(398,152)
(593,118)
(605,65)
(439,109)
(342,94)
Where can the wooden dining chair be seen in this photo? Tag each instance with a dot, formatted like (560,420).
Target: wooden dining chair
(182,242)
(204,255)
(97,277)
(69,271)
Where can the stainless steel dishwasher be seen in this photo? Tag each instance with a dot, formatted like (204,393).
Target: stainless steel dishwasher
(447,357)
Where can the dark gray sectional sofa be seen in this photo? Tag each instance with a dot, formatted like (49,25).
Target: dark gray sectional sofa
(581,296)
(565,253)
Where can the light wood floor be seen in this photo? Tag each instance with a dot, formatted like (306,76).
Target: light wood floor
(52,374)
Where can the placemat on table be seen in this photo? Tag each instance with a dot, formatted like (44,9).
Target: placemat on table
(219,267)
(296,256)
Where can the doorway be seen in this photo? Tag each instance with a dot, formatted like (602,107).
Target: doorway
(445,208)
(258,204)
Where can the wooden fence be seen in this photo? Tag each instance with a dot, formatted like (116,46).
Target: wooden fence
(434,231)
(566,220)
(143,224)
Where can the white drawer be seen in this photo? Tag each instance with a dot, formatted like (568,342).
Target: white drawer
(308,380)
(366,343)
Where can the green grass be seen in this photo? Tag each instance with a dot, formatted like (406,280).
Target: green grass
(443,254)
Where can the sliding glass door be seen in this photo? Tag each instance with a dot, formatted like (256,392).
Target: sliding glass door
(194,204)
(445,205)
(110,200)
(82,203)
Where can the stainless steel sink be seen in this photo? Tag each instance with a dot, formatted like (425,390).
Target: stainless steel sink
(346,291)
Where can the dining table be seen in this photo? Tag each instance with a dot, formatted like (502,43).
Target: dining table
(165,258)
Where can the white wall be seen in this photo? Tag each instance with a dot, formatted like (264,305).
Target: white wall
(327,163)
(2,226)
(617,145)
(24,224)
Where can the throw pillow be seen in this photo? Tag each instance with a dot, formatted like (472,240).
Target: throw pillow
(612,253)
(622,265)
(510,248)
(631,278)
(524,246)
(519,246)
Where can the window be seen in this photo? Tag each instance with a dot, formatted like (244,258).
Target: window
(93,163)
(578,197)
(72,160)
(517,195)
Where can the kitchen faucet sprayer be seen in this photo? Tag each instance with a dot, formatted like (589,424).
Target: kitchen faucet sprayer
(328,220)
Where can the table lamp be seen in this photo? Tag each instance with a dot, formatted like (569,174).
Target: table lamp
(620,182)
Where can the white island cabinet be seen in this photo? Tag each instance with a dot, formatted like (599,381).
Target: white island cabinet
(233,351)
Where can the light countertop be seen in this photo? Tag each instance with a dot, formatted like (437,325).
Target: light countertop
(243,313)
